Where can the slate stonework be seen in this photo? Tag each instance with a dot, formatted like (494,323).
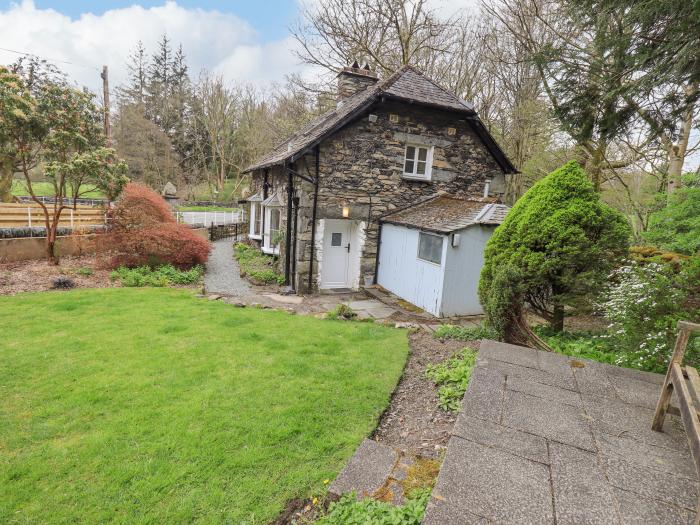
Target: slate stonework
(361,167)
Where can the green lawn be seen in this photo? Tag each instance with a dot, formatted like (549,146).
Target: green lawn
(153,406)
(45,189)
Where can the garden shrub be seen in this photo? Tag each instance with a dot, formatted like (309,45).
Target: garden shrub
(143,231)
(652,254)
(452,377)
(349,511)
(554,249)
(341,311)
(62,283)
(676,227)
(643,304)
(258,267)
(160,276)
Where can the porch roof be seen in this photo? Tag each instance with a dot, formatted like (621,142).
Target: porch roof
(273,201)
(446,214)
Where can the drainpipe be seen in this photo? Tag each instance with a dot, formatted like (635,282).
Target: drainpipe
(288,236)
(313,220)
(262,219)
(295,202)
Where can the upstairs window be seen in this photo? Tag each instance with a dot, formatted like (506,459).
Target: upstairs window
(418,162)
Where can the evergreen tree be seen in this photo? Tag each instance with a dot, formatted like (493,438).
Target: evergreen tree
(554,249)
(134,92)
(159,86)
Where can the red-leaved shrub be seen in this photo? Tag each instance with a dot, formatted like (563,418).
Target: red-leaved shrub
(143,231)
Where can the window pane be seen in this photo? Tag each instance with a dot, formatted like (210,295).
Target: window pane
(410,153)
(422,154)
(408,168)
(430,248)
(274,219)
(420,168)
(336,239)
(258,219)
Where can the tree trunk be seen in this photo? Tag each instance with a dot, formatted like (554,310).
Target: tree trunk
(51,251)
(594,167)
(557,322)
(678,151)
(6,175)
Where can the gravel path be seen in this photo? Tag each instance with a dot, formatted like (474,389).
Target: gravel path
(223,275)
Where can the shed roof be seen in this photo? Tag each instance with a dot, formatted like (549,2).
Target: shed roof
(407,84)
(447,214)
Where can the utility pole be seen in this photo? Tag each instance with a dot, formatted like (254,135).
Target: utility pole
(105,93)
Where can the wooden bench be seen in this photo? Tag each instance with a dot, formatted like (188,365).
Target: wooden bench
(688,394)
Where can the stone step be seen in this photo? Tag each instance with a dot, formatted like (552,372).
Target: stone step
(367,471)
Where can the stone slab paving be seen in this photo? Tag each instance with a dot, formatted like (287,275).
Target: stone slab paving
(367,471)
(371,308)
(544,438)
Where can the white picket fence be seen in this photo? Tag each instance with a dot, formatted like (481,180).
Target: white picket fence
(208,218)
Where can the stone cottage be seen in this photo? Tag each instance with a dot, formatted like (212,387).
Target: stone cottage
(388,146)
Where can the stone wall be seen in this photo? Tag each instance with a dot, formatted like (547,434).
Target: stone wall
(361,167)
(32,248)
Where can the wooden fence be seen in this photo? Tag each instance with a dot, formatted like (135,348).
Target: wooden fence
(13,215)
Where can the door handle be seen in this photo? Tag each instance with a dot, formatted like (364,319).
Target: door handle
(348,247)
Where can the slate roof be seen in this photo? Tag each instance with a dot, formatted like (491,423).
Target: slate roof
(446,214)
(407,84)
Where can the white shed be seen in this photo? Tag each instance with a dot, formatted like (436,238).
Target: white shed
(431,254)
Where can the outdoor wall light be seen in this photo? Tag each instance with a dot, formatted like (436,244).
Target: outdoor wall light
(346,212)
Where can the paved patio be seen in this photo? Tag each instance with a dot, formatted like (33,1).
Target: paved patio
(543,438)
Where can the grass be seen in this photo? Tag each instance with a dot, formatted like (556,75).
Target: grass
(464,333)
(164,275)
(45,189)
(204,192)
(258,267)
(148,405)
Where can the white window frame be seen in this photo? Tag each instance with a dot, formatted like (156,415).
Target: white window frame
(255,216)
(414,175)
(442,246)
(267,246)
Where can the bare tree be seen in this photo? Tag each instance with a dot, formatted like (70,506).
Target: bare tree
(385,33)
(219,117)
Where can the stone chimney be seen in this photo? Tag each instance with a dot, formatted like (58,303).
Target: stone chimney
(354,79)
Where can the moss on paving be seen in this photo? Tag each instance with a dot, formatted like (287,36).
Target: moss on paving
(150,405)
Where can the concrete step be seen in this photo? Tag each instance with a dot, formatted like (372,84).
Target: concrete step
(367,471)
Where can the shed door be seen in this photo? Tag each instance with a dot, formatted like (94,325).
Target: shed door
(401,271)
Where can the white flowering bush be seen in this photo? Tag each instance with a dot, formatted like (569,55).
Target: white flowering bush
(643,304)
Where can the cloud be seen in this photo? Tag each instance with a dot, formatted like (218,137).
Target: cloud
(211,39)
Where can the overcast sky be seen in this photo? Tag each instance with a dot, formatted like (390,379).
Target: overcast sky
(244,40)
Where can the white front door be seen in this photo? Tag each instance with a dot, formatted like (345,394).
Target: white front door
(336,254)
